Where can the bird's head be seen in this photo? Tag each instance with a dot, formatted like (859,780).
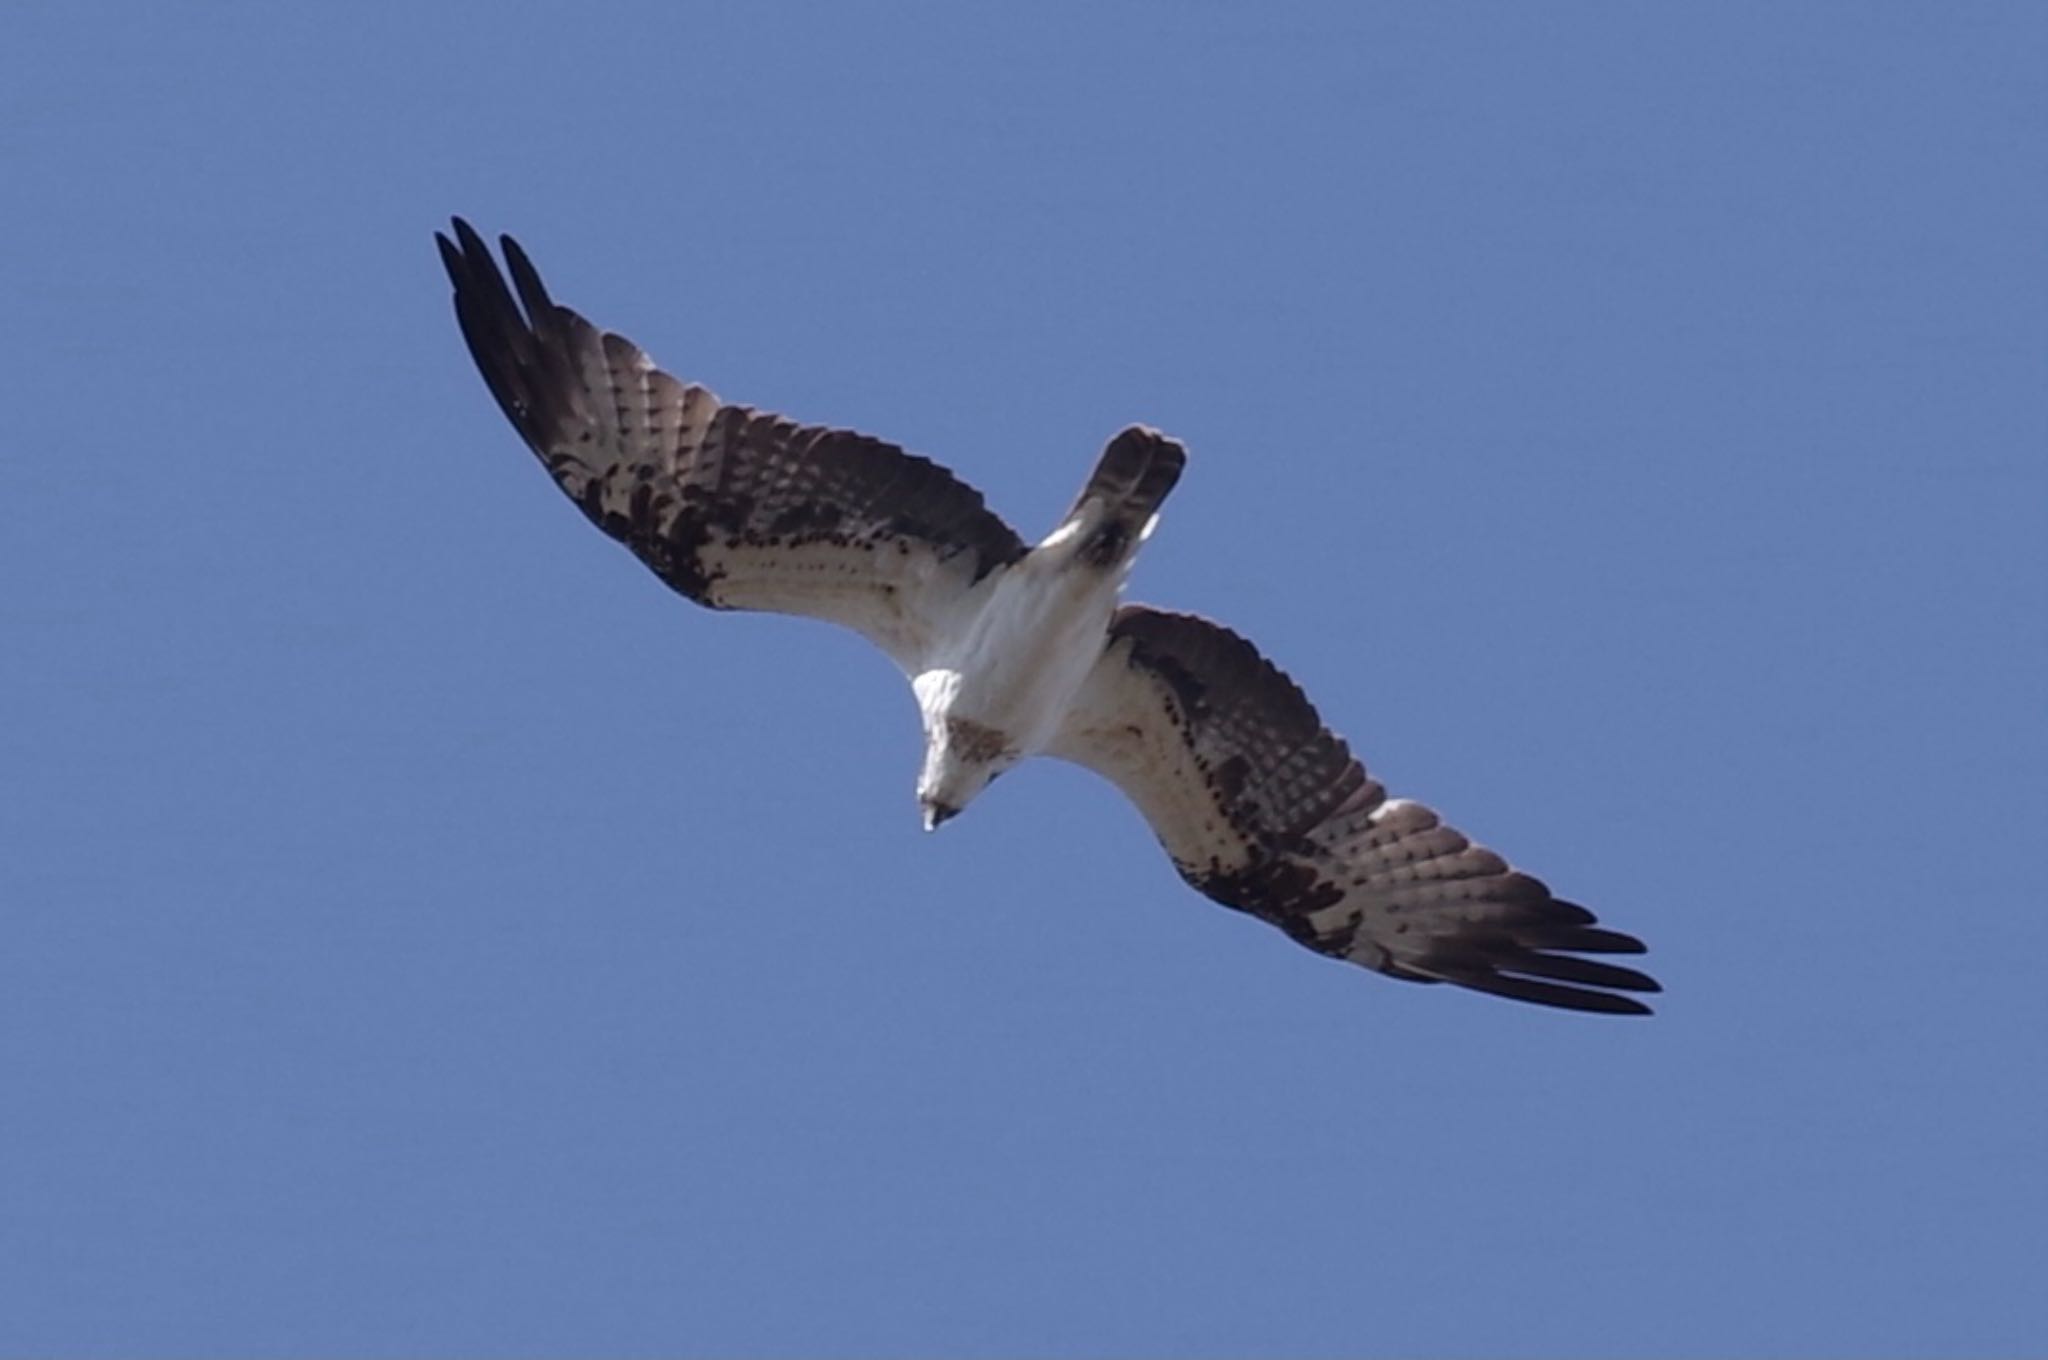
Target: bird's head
(936,813)
(962,759)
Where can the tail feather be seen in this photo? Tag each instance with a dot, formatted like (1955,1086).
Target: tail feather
(1116,508)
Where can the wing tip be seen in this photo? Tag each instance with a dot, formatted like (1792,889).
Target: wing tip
(1543,962)
(533,294)
(1557,995)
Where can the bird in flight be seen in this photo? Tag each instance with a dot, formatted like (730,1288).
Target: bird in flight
(1015,650)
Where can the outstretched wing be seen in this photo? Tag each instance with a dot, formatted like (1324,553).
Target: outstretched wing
(735,508)
(1265,810)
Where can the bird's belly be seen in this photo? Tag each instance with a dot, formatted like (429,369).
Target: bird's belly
(1027,652)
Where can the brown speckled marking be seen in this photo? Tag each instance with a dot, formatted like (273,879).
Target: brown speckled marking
(977,743)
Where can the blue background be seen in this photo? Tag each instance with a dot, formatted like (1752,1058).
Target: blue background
(420,933)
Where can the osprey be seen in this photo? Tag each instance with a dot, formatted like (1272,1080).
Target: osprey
(1015,650)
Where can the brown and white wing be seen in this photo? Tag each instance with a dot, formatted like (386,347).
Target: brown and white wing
(1265,810)
(735,508)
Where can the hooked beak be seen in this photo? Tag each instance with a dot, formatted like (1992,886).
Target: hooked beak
(937,815)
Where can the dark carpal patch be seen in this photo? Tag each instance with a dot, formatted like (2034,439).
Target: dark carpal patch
(1277,890)
(677,557)
(1228,778)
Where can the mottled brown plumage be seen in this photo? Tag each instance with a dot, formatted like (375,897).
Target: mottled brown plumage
(735,508)
(1264,809)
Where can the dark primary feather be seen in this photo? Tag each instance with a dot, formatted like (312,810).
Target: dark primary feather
(737,509)
(1264,809)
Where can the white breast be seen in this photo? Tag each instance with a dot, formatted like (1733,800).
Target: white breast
(1016,661)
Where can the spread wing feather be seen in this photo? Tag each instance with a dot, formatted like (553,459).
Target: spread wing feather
(1266,810)
(734,508)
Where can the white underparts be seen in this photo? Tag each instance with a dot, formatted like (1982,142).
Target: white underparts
(1012,664)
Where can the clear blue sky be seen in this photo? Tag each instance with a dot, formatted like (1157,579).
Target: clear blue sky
(420,933)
